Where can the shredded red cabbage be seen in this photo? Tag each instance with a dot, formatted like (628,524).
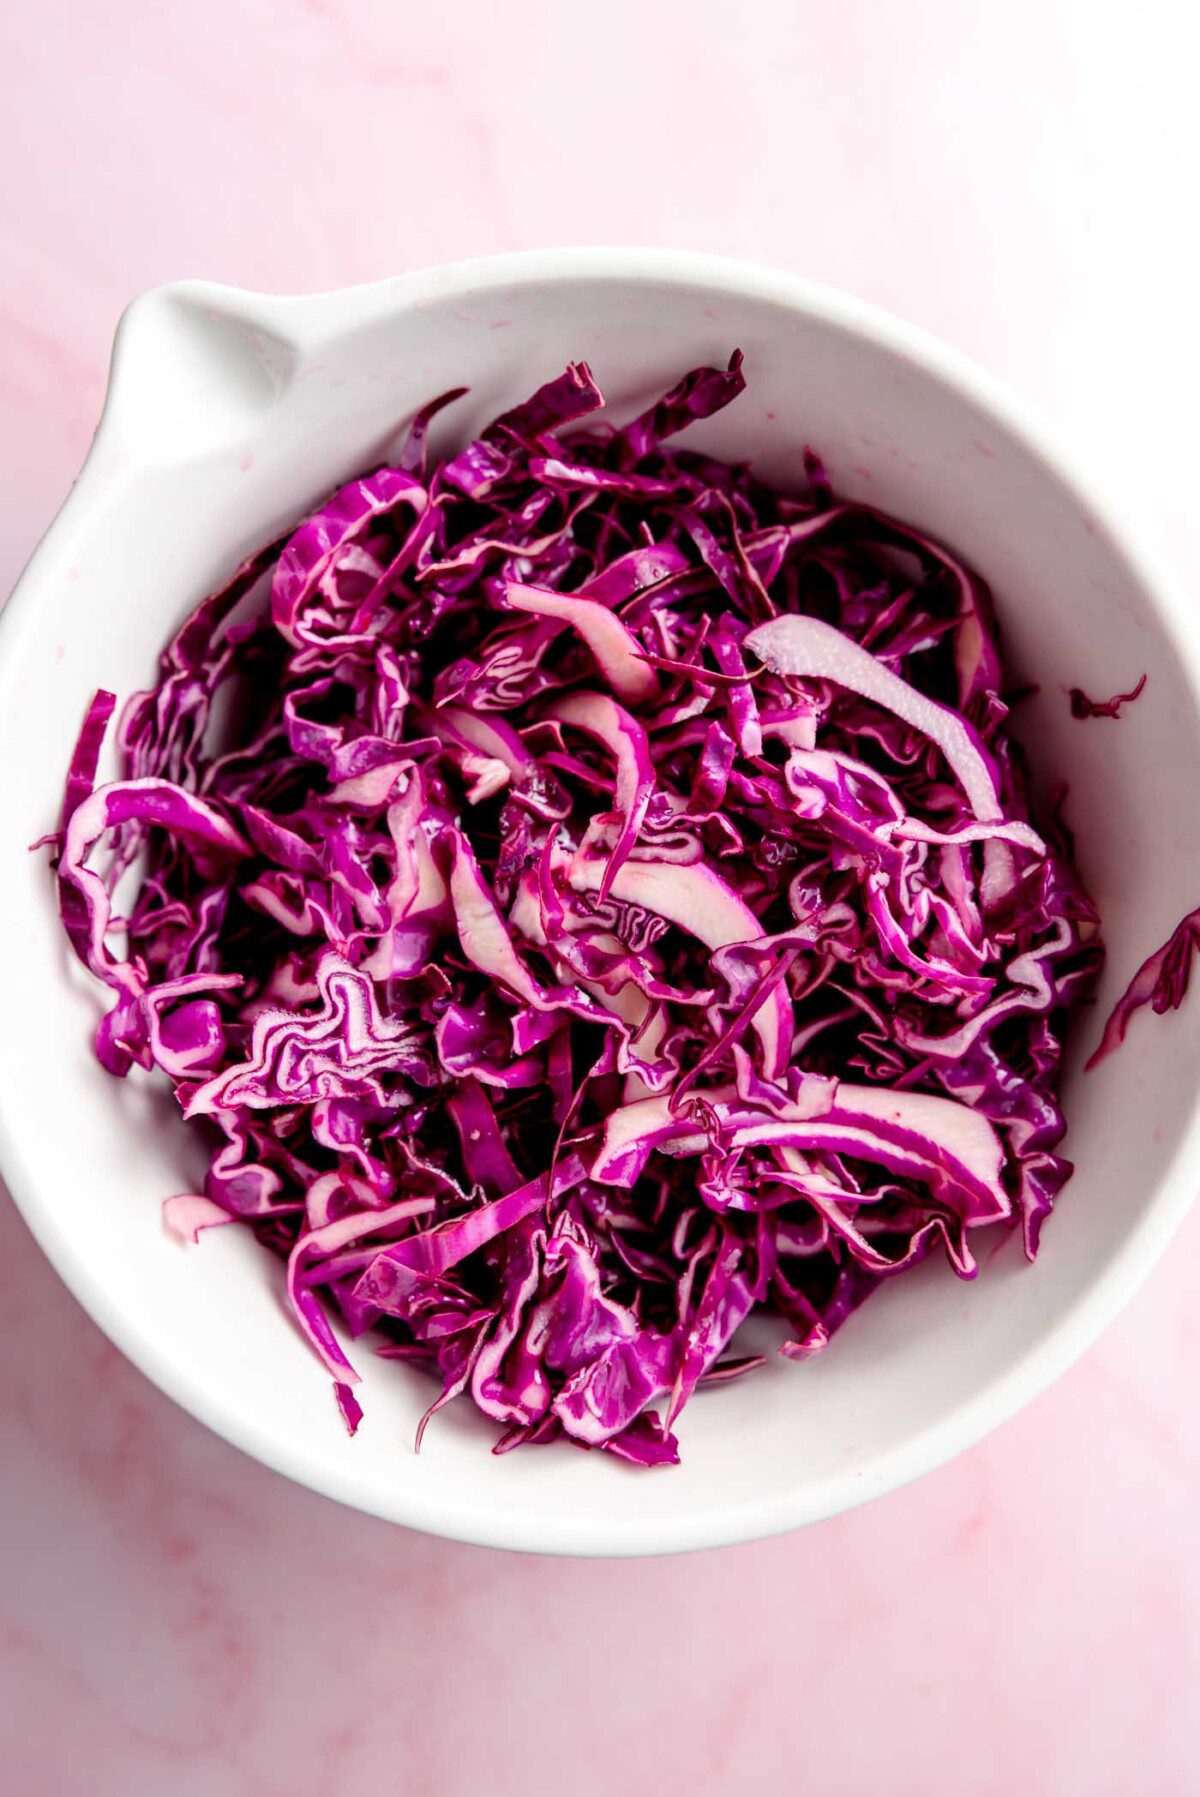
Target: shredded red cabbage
(1083,707)
(1160,982)
(1163,978)
(583,896)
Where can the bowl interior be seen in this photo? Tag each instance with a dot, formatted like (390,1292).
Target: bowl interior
(228,416)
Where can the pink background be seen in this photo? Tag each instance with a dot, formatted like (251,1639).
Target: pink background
(175,1619)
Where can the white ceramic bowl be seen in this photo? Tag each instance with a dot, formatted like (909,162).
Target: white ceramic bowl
(228,414)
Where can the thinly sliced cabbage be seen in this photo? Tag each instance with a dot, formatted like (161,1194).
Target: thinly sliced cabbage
(610,907)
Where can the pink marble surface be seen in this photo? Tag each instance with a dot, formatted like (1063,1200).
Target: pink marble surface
(174,1618)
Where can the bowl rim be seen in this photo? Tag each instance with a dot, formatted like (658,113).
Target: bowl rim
(330,313)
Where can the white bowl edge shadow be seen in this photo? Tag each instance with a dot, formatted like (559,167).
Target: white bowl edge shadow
(151,381)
